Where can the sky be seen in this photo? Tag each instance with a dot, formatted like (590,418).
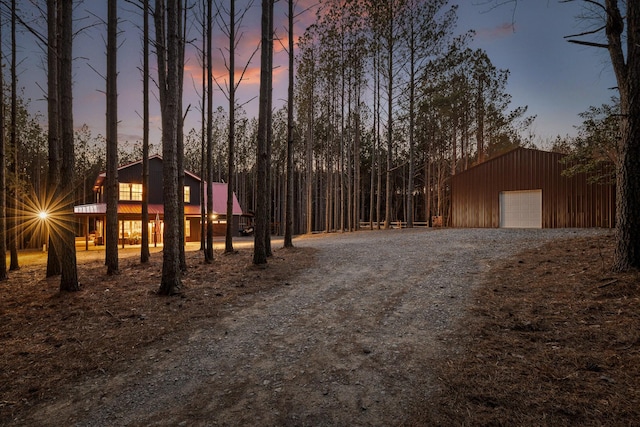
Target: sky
(557,80)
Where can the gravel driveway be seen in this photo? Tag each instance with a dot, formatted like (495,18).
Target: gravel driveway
(349,342)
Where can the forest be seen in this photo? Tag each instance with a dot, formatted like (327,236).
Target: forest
(386,102)
(449,110)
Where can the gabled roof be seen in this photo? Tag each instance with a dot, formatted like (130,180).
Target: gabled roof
(103,175)
(509,153)
(219,190)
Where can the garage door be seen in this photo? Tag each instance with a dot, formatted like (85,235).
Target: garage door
(521,209)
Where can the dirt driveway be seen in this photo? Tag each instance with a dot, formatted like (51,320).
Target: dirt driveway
(348,342)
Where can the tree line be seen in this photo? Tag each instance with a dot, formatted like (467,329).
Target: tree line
(387,102)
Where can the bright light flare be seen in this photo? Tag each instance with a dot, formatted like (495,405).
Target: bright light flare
(38,216)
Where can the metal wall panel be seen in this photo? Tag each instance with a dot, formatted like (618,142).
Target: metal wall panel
(566,201)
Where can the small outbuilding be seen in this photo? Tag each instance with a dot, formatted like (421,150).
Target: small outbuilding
(526,188)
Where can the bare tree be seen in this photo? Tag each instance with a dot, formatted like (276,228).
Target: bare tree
(424,32)
(288,221)
(228,241)
(208,253)
(262,221)
(626,66)
(69,276)
(144,247)
(390,42)
(229,28)
(168,39)
(12,223)
(111,190)
(203,128)
(182,18)
(306,110)
(53,134)
(3,179)
(269,101)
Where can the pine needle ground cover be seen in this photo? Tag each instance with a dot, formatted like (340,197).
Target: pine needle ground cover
(552,338)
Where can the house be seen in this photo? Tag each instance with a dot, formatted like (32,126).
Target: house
(526,188)
(130,205)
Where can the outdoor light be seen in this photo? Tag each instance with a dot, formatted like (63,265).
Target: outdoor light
(43,215)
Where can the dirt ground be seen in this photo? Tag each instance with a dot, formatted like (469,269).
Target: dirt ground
(48,339)
(551,337)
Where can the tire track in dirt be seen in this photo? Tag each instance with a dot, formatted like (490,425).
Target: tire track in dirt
(349,342)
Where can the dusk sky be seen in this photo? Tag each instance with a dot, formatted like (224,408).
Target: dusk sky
(556,79)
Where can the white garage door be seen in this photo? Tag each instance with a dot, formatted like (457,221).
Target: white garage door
(521,209)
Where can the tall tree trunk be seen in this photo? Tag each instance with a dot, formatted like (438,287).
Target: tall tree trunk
(3,179)
(144,247)
(228,241)
(627,250)
(378,118)
(168,37)
(111,252)
(182,18)
(357,190)
(375,157)
(427,185)
(53,134)
(69,276)
(412,121)
(480,119)
(288,210)
(341,172)
(203,137)
(13,223)
(267,235)
(372,188)
(208,253)
(347,175)
(389,193)
(262,220)
(309,147)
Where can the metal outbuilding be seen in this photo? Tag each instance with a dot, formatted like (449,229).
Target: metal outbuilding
(526,188)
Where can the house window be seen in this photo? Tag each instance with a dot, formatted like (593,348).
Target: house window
(129,191)
(187,194)
(130,231)
(125,191)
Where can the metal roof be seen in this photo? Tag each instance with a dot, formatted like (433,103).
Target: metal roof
(136,209)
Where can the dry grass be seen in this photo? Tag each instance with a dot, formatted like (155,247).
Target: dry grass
(48,339)
(553,339)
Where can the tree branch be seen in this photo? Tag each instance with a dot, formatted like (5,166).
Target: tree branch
(591,44)
(587,33)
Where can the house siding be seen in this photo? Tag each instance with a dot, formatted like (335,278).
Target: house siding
(566,201)
(130,210)
(133,174)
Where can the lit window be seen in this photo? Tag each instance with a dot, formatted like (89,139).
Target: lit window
(125,191)
(136,192)
(130,191)
(187,194)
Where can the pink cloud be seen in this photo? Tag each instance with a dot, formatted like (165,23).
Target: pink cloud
(503,30)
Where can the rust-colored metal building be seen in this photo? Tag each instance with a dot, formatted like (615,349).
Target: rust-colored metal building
(525,188)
